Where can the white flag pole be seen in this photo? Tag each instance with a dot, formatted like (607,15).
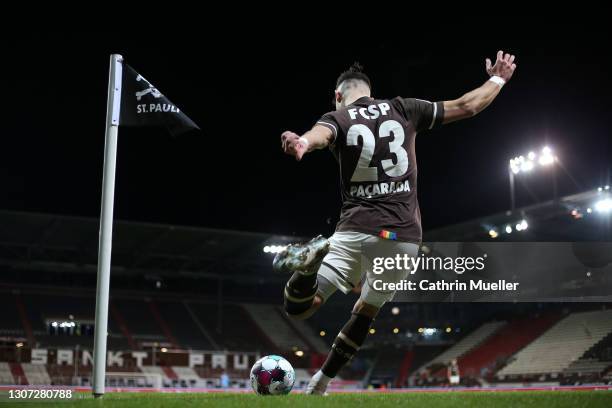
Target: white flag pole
(106,223)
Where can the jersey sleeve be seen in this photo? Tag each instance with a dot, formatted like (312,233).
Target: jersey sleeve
(424,114)
(329,121)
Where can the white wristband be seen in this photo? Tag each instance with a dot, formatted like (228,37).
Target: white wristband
(304,141)
(498,80)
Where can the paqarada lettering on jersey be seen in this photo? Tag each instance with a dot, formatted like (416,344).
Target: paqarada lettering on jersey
(377,189)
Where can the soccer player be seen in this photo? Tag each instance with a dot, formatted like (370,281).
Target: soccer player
(452,372)
(373,141)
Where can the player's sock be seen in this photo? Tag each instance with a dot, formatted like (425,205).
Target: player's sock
(300,292)
(318,383)
(321,378)
(350,338)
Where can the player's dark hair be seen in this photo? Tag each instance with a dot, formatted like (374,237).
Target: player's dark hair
(354,72)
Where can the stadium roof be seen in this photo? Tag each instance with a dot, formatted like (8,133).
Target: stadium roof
(570,218)
(66,243)
(58,243)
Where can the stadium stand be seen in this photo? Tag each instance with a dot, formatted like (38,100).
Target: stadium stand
(236,331)
(36,374)
(6,377)
(415,358)
(302,377)
(166,374)
(595,360)
(180,325)
(41,307)
(465,345)
(601,350)
(561,345)
(122,328)
(483,360)
(9,318)
(139,319)
(161,322)
(204,332)
(18,374)
(586,366)
(270,320)
(186,375)
(211,300)
(315,342)
(26,324)
(387,365)
(61,374)
(404,369)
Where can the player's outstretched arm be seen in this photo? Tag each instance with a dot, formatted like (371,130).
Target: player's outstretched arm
(297,146)
(477,100)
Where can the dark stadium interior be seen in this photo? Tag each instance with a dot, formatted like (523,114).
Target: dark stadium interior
(163,298)
(196,215)
(161,179)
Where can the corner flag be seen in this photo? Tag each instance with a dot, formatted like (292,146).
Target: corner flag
(142,104)
(132,101)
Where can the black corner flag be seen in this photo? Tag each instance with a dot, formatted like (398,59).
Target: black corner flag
(132,101)
(142,104)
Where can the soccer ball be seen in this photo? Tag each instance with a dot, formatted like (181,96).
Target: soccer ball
(272,375)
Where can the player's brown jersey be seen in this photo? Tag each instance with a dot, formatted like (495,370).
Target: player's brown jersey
(374,145)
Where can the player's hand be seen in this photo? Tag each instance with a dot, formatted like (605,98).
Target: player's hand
(504,66)
(292,145)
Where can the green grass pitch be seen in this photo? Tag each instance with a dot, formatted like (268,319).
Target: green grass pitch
(515,399)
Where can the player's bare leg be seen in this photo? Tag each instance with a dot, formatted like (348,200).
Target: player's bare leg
(348,341)
(304,260)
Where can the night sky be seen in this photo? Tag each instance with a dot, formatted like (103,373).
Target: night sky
(245,90)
